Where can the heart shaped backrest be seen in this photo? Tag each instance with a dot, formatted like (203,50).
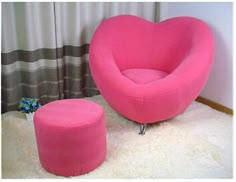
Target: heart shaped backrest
(138,43)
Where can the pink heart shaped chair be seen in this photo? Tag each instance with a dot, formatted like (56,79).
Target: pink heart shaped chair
(150,72)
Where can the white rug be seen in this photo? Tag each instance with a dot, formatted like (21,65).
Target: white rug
(195,144)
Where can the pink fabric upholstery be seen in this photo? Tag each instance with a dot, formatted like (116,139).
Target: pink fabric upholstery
(144,76)
(149,71)
(71,136)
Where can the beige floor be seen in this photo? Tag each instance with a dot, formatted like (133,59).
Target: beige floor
(195,144)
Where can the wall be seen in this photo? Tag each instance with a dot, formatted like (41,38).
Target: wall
(218,15)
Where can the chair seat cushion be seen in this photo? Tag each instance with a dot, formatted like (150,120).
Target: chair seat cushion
(144,76)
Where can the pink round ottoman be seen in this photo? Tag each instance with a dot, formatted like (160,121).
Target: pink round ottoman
(71,136)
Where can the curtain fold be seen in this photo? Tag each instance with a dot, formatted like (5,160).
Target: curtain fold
(45,47)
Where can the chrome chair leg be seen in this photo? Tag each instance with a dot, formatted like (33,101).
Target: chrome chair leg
(143,128)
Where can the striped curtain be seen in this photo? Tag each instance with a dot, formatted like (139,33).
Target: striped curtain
(45,47)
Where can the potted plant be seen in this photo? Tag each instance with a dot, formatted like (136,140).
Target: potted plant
(29,106)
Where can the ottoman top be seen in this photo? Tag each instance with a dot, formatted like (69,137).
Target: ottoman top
(69,112)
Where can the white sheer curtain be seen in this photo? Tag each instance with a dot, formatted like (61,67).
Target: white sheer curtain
(45,46)
(27,26)
(76,22)
(29,64)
